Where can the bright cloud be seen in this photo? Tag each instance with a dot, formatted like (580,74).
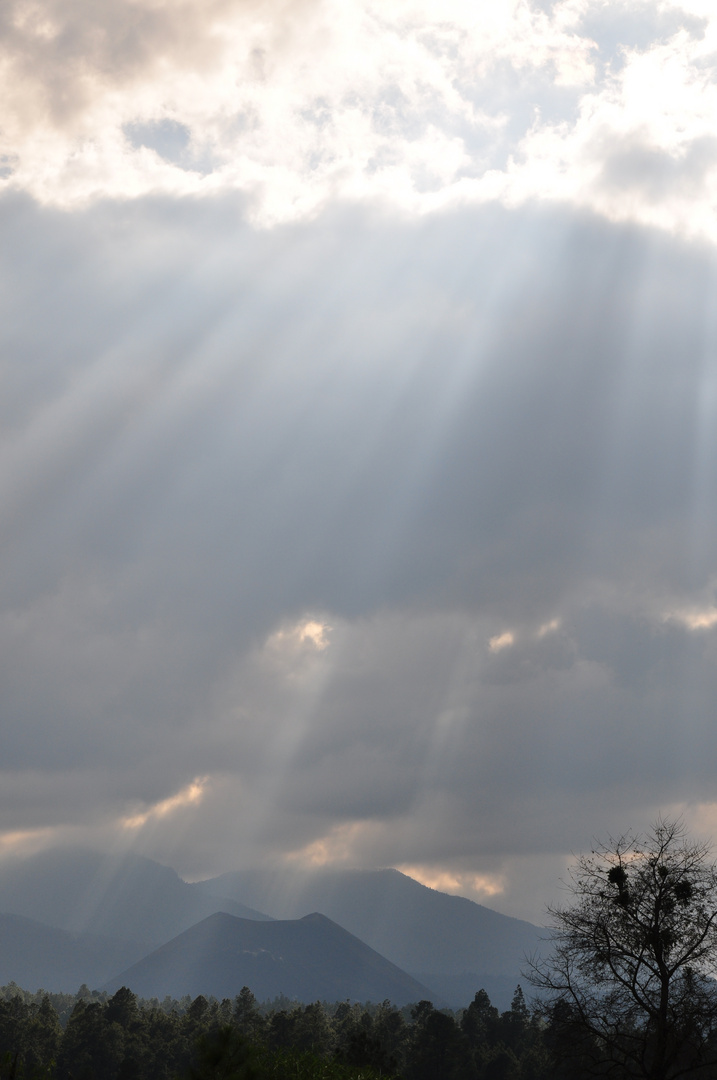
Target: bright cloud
(694,618)
(485,886)
(339,846)
(191,795)
(292,639)
(25,841)
(417,105)
(501,641)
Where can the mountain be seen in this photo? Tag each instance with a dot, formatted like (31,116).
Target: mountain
(309,959)
(113,896)
(37,957)
(450,943)
(122,907)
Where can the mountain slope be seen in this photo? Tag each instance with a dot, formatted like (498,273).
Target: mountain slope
(448,942)
(128,896)
(309,959)
(37,957)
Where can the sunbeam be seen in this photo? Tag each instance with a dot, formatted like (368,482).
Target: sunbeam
(357,435)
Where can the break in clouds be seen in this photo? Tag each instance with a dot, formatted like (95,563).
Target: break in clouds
(357,464)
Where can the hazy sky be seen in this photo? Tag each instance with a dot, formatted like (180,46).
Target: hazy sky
(358,445)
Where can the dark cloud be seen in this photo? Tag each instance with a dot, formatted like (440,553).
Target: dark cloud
(631,164)
(480,447)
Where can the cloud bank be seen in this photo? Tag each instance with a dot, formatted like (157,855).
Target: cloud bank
(363,539)
(419,106)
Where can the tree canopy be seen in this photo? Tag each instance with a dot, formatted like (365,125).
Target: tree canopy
(629,978)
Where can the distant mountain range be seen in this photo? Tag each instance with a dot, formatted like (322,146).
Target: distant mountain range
(309,959)
(74,916)
(34,955)
(121,896)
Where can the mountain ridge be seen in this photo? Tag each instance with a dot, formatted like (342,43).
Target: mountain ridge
(309,959)
(447,941)
(126,896)
(120,908)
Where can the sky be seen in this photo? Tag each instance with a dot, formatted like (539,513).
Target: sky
(358,432)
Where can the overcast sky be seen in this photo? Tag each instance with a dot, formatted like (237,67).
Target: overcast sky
(358,431)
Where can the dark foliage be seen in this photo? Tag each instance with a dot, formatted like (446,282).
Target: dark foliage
(629,980)
(91,1036)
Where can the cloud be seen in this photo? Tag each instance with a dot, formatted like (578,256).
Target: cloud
(357,431)
(695,619)
(653,173)
(273,498)
(501,641)
(191,795)
(65,53)
(299,104)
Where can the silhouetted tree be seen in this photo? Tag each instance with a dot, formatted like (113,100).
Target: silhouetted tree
(281,1028)
(225,1055)
(43,1038)
(567,1043)
(122,1009)
(90,1047)
(514,1028)
(438,1047)
(373,1041)
(479,1022)
(246,1017)
(631,957)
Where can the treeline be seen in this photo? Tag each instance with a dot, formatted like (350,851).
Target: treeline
(90,1036)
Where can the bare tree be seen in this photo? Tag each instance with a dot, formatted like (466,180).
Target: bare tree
(633,957)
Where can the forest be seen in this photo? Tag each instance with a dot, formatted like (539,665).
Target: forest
(94,1036)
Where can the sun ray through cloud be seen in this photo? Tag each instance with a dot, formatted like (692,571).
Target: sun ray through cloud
(357,431)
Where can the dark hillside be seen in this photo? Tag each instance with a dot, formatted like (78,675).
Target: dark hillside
(448,942)
(308,959)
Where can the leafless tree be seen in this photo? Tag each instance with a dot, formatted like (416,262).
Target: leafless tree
(633,956)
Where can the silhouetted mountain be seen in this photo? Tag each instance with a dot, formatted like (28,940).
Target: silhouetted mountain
(37,957)
(450,943)
(308,959)
(124,896)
